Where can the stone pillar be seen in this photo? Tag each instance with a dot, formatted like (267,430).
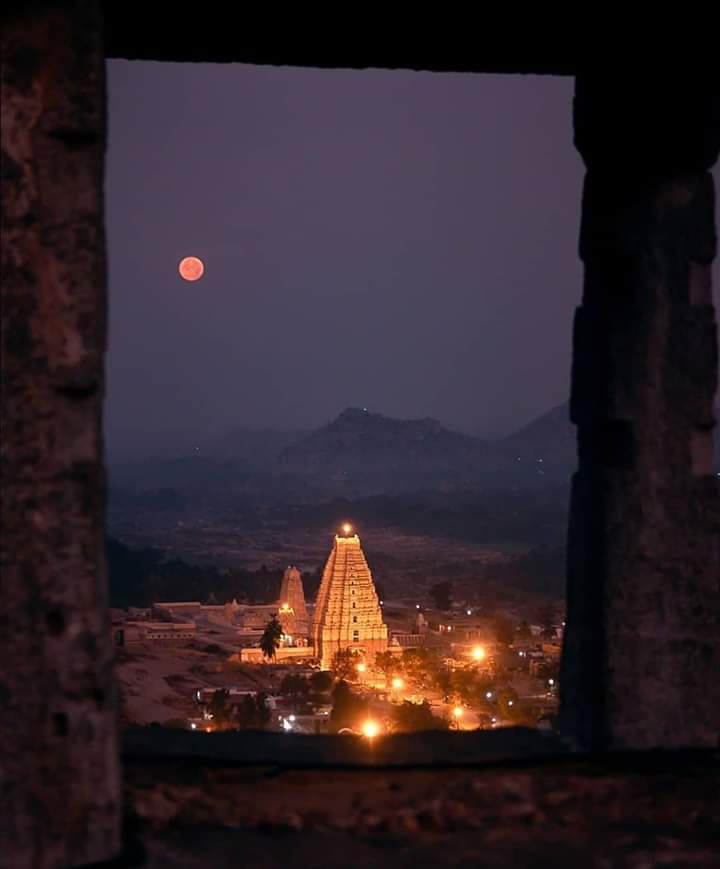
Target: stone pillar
(641,656)
(60,794)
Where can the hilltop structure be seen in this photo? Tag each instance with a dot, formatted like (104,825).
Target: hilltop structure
(292,611)
(347,611)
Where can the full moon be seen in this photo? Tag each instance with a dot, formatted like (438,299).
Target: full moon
(191,268)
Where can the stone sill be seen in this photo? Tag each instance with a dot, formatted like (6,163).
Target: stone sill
(295,751)
(190,807)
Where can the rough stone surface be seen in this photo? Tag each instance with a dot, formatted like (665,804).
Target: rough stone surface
(292,611)
(642,811)
(642,644)
(347,610)
(60,794)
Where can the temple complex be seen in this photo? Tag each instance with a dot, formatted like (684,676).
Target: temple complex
(347,611)
(292,611)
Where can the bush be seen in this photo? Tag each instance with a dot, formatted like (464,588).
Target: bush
(214,649)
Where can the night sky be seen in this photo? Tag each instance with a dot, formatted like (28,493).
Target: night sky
(396,240)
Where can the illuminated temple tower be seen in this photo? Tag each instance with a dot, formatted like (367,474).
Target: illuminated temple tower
(292,611)
(347,611)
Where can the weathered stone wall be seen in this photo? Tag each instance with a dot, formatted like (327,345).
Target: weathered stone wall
(642,645)
(60,802)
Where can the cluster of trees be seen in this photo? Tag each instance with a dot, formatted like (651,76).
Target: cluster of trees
(251,713)
(350,711)
(410,717)
(418,666)
(307,692)
(140,577)
(344,664)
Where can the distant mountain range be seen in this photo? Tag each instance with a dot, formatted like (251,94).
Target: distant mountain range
(361,453)
(360,443)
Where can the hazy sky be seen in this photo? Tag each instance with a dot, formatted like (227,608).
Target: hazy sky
(396,240)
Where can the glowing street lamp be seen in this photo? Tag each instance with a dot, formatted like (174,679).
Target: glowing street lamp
(361,668)
(488,695)
(478,653)
(398,683)
(457,715)
(370,729)
(551,682)
(347,529)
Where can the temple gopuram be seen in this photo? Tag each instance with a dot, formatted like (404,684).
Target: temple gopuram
(347,610)
(292,611)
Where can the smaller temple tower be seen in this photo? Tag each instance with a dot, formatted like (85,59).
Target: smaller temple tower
(347,611)
(292,612)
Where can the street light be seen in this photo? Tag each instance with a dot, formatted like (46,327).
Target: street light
(370,729)
(489,695)
(551,682)
(398,683)
(457,715)
(478,653)
(361,667)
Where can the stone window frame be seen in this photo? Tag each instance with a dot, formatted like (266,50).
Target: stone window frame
(647,145)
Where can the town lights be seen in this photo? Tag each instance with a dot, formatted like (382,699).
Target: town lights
(457,713)
(478,653)
(361,667)
(398,683)
(370,729)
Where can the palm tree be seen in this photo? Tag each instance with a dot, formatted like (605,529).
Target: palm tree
(270,639)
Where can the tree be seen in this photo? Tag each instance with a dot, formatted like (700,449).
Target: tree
(420,665)
(444,681)
(503,629)
(270,639)
(387,663)
(348,709)
(441,594)
(343,664)
(295,685)
(253,712)
(220,709)
(321,682)
(409,717)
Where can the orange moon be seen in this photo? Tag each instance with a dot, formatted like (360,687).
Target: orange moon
(191,268)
